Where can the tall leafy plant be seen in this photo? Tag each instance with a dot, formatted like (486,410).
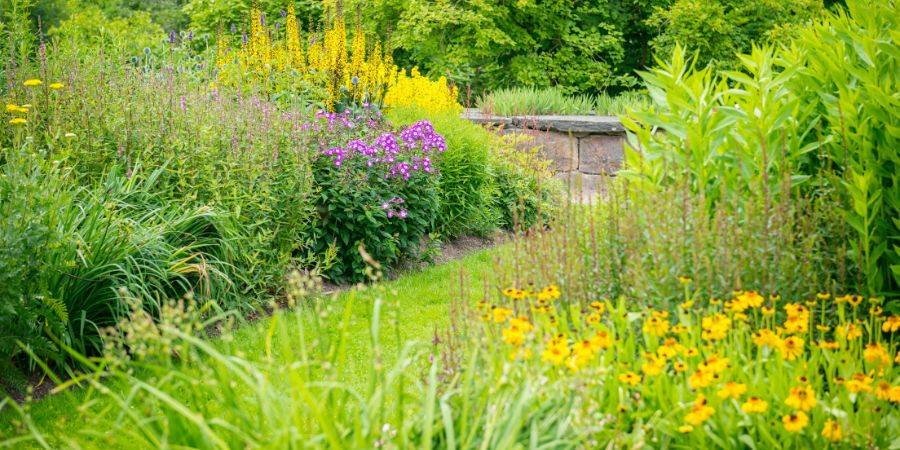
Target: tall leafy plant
(849,69)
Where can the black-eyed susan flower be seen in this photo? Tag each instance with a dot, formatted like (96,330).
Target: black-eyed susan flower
(891,325)
(795,422)
(754,405)
(599,307)
(679,366)
(823,296)
(883,390)
(630,378)
(684,279)
(556,351)
(875,352)
(859,382)
(802,398)
(700,411)
(832,431)
(600,341)
(855,300)
(791,348)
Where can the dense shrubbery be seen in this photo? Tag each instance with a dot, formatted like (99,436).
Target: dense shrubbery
(162,175)
(812,116)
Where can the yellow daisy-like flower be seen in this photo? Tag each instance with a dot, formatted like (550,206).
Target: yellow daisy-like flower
(755,405)
(685,429)
(18,121)
(12,108)
(802,398)
(33,82)
(795,422)
(56,86)
(832,431)
(700,412)
(630,378)
(791,348)
(891,325)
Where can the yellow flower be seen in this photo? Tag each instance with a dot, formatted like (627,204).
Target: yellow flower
(598,306)
(18,121)
(32,82)
(832,431)
(12,108)
(556,352)
(56,86)
(655,326)
(883,390)
(892,324)
(733,390)
(653,367)
(829,345)
(593,319)
(501,314)
(630,378)
(767,311)
(752,299)
(700,412)
(802,398)
(859,383)
(601,340)
(795,422)
(684,279)
(701,378)
(755,405)
(823,296)
(685,429)
(855,300)
(849,331)
(791,348)
(875,352)
(715,327)
(680,366)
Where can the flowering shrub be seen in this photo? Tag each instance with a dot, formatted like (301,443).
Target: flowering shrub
(418,91)
(380,193)
(750,369)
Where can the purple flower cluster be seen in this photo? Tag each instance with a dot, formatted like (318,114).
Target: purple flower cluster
(400,160)
(394,208)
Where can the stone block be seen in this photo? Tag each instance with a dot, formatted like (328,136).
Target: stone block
(560,149)
(585,188)
(600,153)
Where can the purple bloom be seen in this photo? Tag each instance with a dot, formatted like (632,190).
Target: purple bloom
(283,13)
(262,20)
(172,37)
(403,213)
(312,40)
(191,36)
(233,29)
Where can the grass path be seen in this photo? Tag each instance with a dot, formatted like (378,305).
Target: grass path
(421,300)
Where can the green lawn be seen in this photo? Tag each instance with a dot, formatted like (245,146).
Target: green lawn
(420,300)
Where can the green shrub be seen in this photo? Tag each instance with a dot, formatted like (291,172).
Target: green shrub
(717,30)
(812,115)
(31,200)
(466,186)
(379,193)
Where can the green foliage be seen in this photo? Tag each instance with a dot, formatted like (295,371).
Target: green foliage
(816,110)
(29,235)
(553,100)
(466,187)
(207,15)
(532,101)
(90,27)
(719,29)
(848,64)
(491,44)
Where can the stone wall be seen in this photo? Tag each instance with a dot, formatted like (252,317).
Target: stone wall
(588,148)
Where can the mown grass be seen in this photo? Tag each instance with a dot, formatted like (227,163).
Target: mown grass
(420,299)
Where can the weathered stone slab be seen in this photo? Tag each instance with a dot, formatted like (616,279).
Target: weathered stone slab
(572,124)
(475,115)
(600,153)
(560,149)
